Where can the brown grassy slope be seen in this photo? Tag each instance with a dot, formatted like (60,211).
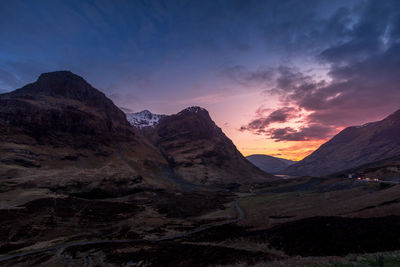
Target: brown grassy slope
(200,152)
(352,147)
(60,128)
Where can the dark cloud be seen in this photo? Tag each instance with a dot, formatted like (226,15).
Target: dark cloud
(137,51)
(305,133)
(366,36)
(281,115)
(303,25)
(179,44)
(363,82)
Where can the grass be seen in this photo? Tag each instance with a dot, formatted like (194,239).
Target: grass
(382,259)
(350,202)
(244,244)
(228,213)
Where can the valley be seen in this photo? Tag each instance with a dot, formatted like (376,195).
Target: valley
(83,184)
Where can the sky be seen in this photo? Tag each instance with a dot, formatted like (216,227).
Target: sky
(279,77)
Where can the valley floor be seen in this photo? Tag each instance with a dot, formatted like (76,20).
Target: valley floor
(297,222)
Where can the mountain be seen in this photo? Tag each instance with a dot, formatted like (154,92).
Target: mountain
(198,151)
(352,147)
(61,133)
(143,118)
(62,108)
(270,164)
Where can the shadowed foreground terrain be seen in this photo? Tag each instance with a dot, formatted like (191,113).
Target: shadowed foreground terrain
(283,224)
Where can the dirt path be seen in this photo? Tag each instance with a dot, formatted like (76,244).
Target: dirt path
(61,247)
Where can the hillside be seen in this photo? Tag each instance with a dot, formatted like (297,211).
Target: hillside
(198,151)
(352,147)
(61,133)
(270,164)
(60,126)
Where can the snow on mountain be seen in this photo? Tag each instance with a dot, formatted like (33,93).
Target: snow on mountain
(143,118)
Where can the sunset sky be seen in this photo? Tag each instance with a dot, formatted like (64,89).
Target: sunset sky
(279,77)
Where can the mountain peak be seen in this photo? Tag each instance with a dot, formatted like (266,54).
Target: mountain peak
(63,84)
(194,109)
(59,75)
(62,79)
(63,104)
(145,112)
(198,150)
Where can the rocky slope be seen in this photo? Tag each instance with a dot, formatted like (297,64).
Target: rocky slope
(60,107)
(270,164)
(352,147)
(198,150)
(61,133)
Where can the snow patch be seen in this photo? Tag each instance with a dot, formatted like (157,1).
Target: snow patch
(143,119)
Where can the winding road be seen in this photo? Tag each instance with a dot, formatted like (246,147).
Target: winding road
(61,247)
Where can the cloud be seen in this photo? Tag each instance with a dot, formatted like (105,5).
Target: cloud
(361,84)
(281,115)
(366,36)
(305,133)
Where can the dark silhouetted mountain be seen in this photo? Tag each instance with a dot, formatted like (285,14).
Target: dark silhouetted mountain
(61,133)
(62,108)
(200,152)
(270,164)
(61,130)
(352,147)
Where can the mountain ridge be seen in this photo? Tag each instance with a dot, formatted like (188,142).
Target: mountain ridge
(269,163)
(352,147)
(61,102)
(61,124)
(197,149)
